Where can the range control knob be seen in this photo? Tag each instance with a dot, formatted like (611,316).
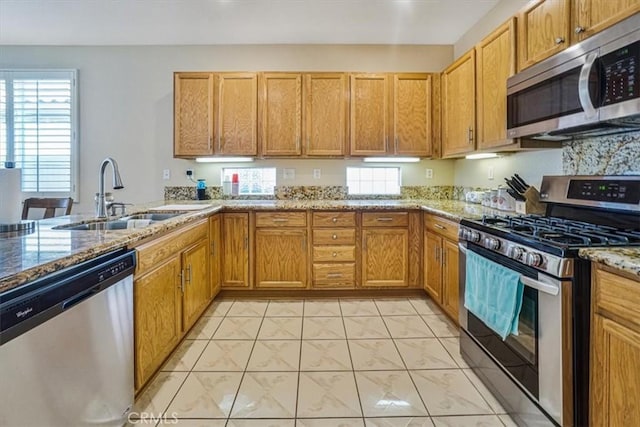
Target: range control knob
(516,252)
(492,243)
(534,259)
(473,236)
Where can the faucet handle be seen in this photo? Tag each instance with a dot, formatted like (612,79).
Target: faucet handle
(115,205)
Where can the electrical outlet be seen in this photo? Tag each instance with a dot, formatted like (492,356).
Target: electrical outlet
(166,174)
(316,174)
(490,173)
(429,173)
(190,172)
(288,173)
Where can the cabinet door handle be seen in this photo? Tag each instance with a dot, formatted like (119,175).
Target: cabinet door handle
(334,219)
(440,227)
(188,279)
(437,254)
(335,254)
(384,219)
(444,256)
(579,29)
(213,248)
(396,146)
(333,275)
(210,141)
(386,143)
(298,144)
(334,237)
(559,40)
(280,220)
(246,242)
(470,134)
(181,275)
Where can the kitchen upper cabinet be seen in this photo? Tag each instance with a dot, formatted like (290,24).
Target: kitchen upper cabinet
(615,349)
(280,101)
(237,118)
(412,122)
(215,260)
(193,114)
(495,62)
(441,258)
(592,16)
(325,114)
(157,307)
(235,250)
(369,114)
(197,288)
(458,106)
(543,30)
(281,249)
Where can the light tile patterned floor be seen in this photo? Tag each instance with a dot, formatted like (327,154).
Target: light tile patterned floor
(320,363)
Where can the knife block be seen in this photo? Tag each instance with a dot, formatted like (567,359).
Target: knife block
(532,205)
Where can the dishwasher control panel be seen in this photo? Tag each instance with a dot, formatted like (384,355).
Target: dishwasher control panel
(115,269)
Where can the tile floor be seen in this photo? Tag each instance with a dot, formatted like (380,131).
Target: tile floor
(312,363)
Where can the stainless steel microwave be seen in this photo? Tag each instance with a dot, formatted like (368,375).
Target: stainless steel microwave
(589,89)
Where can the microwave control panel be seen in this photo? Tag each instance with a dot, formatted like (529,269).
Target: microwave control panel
(621,74)
(616,191)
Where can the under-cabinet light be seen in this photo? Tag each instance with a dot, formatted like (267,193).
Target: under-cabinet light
(391,159)
(224,159)
(477,156)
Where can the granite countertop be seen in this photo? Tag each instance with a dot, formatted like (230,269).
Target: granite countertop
(46,250)
(625,259)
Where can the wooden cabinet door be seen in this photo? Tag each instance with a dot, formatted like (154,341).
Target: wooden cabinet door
(235,250)
(281,258)
(197,288)
(280,114)
(325,114)
(459,110)
(385,257)
(543,30)
(215,254)
(450,283)
(412,114)
(237,118)
(433,265)
(496,61)
(615,377)
(193,114)
(157,307)
(369,114)
(592,16)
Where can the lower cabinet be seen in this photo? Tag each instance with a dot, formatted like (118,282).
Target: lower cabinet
(615,350)
(281,256)
(385,249)
(171,290)
(334,252)
(441,263)
(235,250)
(215,253)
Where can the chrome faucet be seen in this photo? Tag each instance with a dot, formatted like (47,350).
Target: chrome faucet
(117,184)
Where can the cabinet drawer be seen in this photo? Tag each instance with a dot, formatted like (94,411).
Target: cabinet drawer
(617,298)
(281,219)
(334,219)
(152,253)
(385,219)
(334,253)
(334,236)
(328,273)
(441,226)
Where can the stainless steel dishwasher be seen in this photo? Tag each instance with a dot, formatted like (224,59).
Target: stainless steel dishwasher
(66,346)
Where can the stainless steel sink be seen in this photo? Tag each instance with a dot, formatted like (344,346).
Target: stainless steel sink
(120,223)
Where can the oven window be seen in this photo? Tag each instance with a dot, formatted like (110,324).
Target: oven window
(525,342)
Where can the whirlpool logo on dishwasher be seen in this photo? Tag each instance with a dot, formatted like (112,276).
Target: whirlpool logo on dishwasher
(23,313)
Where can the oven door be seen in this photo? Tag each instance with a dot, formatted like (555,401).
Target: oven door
(533,358)
(562,97)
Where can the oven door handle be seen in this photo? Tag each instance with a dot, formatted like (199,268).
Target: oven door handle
(547,288)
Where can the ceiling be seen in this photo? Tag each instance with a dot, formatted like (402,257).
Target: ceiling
(186,22)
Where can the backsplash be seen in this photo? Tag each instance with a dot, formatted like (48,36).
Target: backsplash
(608,155)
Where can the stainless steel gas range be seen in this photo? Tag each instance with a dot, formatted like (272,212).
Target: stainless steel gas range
(541,372)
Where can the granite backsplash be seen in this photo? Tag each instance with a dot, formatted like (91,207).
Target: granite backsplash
(605,155)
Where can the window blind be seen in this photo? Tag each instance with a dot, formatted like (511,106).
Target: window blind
(38,119)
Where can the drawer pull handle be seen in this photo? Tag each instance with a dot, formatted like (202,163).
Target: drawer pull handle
(280,220)
(333,275)
(559,40)
(334,237)
(440,227)
(385,219)
(335,254)
(334,219)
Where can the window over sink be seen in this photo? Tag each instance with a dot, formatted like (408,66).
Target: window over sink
(38,129)
(253,181)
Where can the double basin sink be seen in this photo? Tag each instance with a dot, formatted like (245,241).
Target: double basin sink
(122,223)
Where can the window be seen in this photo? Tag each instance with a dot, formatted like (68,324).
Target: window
(373,180)
(38,129)
(253,181)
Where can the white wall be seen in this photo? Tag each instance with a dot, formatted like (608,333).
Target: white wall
(126,103)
